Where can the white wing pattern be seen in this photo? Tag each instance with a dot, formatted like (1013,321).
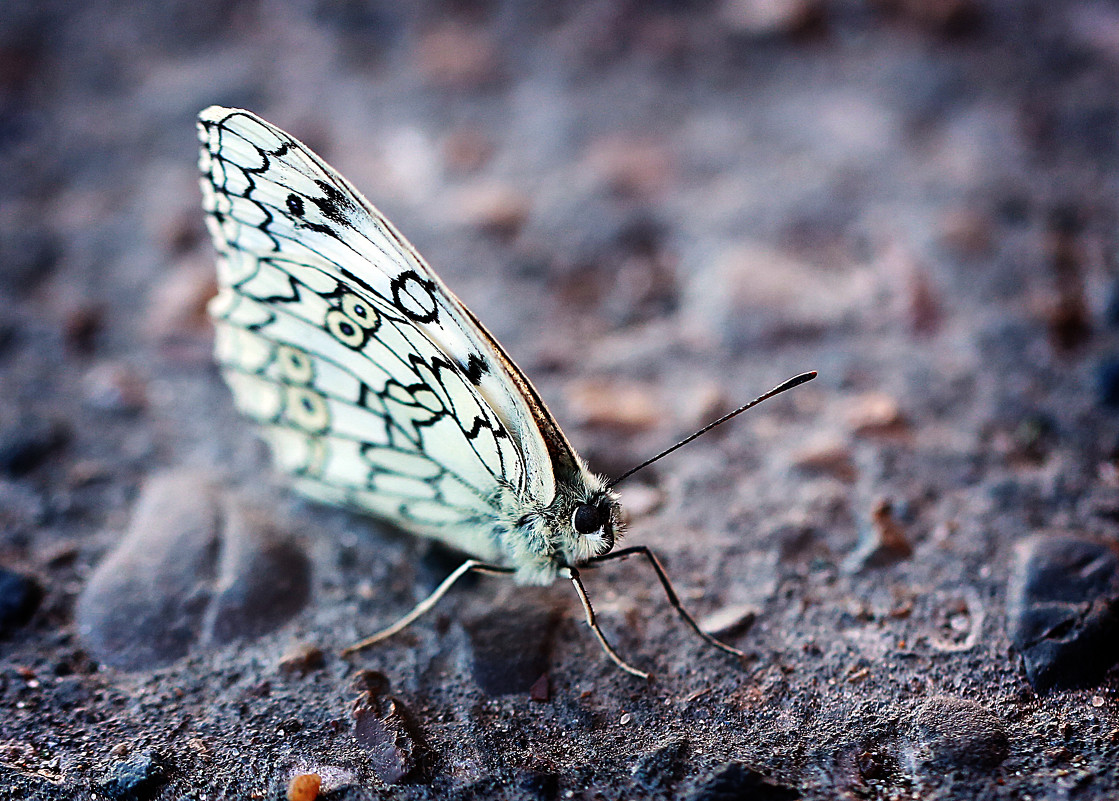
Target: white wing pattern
(375,387)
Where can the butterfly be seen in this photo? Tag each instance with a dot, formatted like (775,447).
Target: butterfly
(378,390)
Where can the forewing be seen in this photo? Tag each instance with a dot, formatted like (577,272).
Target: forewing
(374,385)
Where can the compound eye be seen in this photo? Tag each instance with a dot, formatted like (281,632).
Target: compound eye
(586,518)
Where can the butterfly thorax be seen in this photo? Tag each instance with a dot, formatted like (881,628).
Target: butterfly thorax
(582,521)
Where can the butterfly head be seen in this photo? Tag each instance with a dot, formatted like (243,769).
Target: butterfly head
(588,523)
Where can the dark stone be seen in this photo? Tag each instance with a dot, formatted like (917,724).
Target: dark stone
(511,646)
(659,768)
(136,779)
(302,660)
(541,689)
(1107,382)
(956,732)
(883,543)
(19,598)
(538,786)
(734,781)
(370,681)
(1063,610)
(194,569)
(384,728)
(27,444)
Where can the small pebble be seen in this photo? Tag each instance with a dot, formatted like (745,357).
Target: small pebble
(303,659)
(370,681)
(947,17)
(304,787)
(19,598)
(114,387)
(615,404)
(827,459)
(730,620)
(382,728)
(883,543)
(876,414)
(454,56)
(925,312)
(466,150)
(541,689)
(137,779)
(958,732)
(967,232)
(82,325)
(1069,321)
(631,167)
(494,209)
(769,18)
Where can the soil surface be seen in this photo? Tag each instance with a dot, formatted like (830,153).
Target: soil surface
(661,210)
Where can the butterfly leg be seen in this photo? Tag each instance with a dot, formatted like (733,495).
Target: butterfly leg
(673,598)
(470,565)
(581,591)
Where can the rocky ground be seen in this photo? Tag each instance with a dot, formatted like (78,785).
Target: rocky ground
(661,210)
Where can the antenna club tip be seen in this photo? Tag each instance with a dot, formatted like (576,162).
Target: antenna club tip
(796,381)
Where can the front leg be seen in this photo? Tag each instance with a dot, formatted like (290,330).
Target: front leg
(673,598)
(427,603)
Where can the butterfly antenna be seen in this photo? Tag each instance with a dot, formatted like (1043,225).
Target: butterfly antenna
(795,381)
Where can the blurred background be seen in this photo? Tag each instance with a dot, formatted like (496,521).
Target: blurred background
(661,209)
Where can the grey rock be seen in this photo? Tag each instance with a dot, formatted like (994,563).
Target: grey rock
(194,569)
(1063,610)
(136,779)
(950,732)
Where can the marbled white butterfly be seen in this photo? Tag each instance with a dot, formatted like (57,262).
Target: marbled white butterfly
(377,389)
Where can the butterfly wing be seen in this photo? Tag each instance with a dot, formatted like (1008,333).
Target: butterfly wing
(374,385)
